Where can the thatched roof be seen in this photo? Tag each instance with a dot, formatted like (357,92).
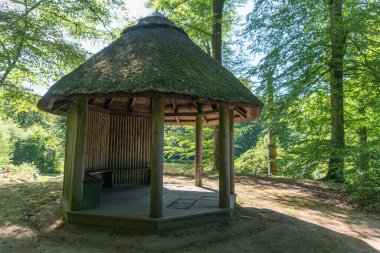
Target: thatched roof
(153,58)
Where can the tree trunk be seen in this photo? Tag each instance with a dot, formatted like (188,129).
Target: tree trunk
(216,44)
(272,153)
(363,153)
(272,147)
(338,40)
(363,138)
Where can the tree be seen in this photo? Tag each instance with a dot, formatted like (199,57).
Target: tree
(338,35)
(315,42)
(41,40)
(216,42)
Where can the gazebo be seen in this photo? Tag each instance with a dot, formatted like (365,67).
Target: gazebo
(117,104)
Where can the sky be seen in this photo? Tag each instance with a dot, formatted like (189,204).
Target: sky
(137,8)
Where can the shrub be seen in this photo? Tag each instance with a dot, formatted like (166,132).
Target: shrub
(37,146)
(255,160)
(7,129)
(366,198)
(25,171)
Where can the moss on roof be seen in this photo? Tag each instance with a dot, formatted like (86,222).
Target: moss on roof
(154,56)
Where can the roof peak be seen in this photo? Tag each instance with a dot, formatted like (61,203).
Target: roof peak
(156,18)
(156,13)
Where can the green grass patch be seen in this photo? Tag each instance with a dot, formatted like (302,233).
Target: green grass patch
(20,201)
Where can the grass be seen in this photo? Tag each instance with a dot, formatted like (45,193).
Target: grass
(178,168)
(184,169)
(20,201)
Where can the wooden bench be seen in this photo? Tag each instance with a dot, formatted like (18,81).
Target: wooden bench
(133,176)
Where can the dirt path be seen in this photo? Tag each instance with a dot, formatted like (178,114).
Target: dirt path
(274,215)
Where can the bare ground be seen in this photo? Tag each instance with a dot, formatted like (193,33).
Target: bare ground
(273,215)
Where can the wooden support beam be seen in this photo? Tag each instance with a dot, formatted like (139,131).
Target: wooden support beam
(79,163)
(241,112)
(190,114)
(175,109)
(174,106)
(198,106)
(157,154)
(130,104)
(232,153)
(199,110)
(107,103)
(119,112)
(224,157)
(214,107)
(198,151)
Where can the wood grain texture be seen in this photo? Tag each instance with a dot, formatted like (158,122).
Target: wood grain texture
(198,151)
(156,189)
(224,158)
(232,151)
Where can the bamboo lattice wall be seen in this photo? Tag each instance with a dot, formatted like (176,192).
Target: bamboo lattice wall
(119,143)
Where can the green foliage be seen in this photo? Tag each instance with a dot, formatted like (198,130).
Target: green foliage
(37,146)
(6,130)
(24,171)
(294,40)
(255,160)
(365,197)
(41,40)
(180,145)
(246,136)
(196,18)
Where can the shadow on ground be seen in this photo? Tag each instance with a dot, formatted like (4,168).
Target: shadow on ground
(250,230)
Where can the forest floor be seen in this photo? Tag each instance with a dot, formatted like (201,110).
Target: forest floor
(273,215)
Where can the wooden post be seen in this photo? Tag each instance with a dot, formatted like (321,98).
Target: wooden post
(198,151)
(232,152)
(224,157)
(157,153)
(78,170)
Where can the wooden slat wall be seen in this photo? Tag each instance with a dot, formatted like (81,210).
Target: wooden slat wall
(121,143)
(97,151)
(129,154)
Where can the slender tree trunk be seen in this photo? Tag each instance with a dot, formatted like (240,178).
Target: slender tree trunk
(272,153)
(363,138)
(216,44)
(12,64)
(363,153)
(338,40)
(272,147)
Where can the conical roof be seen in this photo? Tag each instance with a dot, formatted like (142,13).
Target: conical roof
(154,57)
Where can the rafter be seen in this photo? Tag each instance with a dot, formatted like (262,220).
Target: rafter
(59,104)
(175,110)
(107,103)
(241,112)
(130,104)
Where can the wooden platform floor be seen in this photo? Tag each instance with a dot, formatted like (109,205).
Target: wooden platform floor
(183,205)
